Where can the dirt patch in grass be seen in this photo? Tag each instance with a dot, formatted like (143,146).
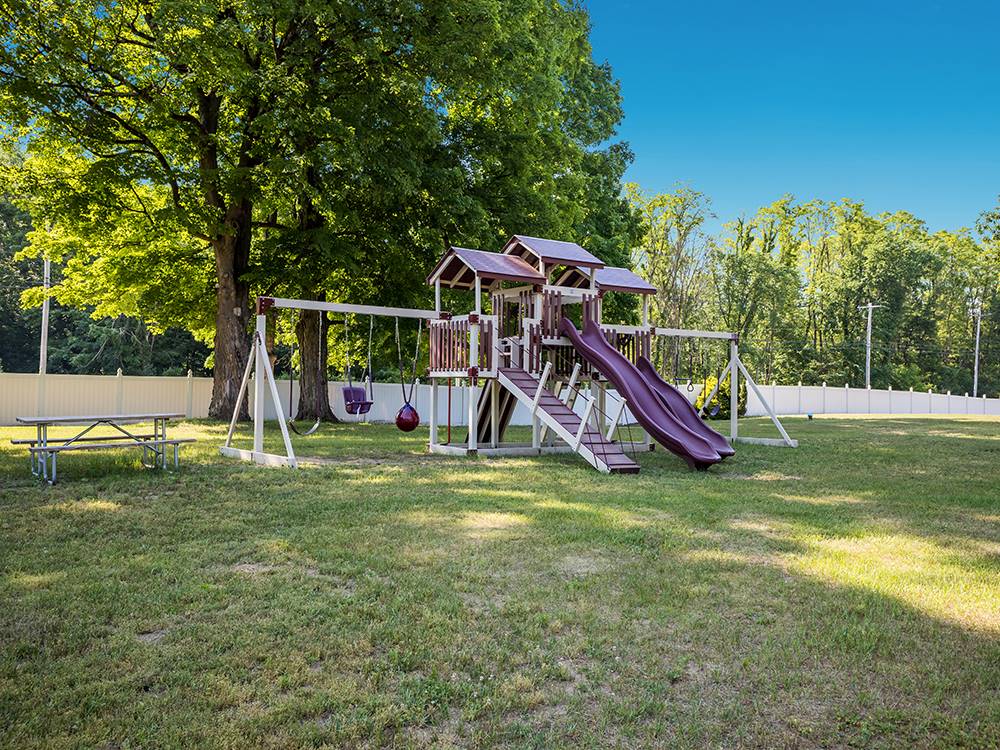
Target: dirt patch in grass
(152,636)
(580,566)
(253,569)
(444,735)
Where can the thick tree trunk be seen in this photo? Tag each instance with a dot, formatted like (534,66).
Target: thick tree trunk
(314,396)
(232,312)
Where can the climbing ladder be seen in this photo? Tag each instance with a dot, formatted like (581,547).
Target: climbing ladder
(562,421)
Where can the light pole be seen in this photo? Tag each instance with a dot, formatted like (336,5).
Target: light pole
(978,312)
(43,349)
(868,343)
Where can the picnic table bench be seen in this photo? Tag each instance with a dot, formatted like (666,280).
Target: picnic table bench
(43,450)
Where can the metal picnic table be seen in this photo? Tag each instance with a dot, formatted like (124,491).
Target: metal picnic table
(44,449)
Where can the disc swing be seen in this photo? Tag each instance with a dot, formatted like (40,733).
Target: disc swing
(319,379)
(407,418)
(356,401)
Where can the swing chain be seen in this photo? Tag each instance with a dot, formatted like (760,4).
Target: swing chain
(399,358)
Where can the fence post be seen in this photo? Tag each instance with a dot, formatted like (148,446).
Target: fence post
(800,398)
(911,399)
(949,402)
(966,402)
(869,397)
(890,400)
(930,402)
(120,383)
(189,412)
(847,398)
(824,397)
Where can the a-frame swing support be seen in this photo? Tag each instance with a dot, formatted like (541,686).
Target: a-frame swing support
(732,370)
(264,383)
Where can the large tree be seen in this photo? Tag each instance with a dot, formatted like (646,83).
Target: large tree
(284,146)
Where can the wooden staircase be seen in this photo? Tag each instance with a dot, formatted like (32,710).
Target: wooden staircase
(562,421)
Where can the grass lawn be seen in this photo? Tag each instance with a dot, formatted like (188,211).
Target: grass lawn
(845,594)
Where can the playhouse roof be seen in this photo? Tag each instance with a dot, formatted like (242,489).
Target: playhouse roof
(552,252)
(459,267)
(609,279)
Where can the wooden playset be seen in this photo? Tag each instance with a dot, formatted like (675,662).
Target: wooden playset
(542,345)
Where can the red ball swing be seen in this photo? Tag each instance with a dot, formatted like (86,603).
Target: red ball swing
(407,417)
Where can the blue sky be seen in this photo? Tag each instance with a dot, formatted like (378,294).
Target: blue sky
(893,103)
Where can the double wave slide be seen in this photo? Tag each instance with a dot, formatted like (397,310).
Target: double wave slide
(681,408)
(645,403)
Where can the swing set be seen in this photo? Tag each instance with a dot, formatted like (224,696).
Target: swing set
(357,401)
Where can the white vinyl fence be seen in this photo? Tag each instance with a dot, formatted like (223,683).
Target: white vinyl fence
(33,395)
(824,399)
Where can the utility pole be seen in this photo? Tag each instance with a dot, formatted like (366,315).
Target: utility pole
(43,350)
(868,343)
(975,367)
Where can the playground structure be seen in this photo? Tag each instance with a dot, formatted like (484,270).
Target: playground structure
(542,345)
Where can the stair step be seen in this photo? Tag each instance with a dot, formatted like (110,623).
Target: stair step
(559,418)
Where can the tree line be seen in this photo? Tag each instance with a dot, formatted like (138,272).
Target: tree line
(793,279)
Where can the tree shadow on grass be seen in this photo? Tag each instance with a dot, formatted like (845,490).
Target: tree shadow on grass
(518,602)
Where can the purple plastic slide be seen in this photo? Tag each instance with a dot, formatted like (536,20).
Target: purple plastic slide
(681,408)
(643,402)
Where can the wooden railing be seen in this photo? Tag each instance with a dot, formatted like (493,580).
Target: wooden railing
(460,343)
(631,343)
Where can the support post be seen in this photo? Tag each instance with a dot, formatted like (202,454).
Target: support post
(541,387)
(617,418)
(434,411)
(258,385)
(583,424)
(494,412)
(770,410)
(473,402)
(734,389)
(264,364)
(243,392)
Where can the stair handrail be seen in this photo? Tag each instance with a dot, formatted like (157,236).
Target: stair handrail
(591,409)
(615,423)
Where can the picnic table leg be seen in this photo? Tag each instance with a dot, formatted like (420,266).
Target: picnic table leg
(176,462)
(53,458)
(43,442)
(163,446)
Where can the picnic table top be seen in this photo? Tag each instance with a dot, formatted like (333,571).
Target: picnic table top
(86,419)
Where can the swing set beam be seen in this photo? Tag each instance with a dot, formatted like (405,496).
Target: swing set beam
(265,303)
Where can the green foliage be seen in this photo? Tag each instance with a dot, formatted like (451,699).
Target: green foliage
(790,280)
(721,398)
(183,156)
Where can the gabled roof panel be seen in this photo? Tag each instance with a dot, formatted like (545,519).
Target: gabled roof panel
(612,278)
(454,266)
(609,279)
(554,251)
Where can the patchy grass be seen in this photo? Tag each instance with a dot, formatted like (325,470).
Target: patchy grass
(845,594)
